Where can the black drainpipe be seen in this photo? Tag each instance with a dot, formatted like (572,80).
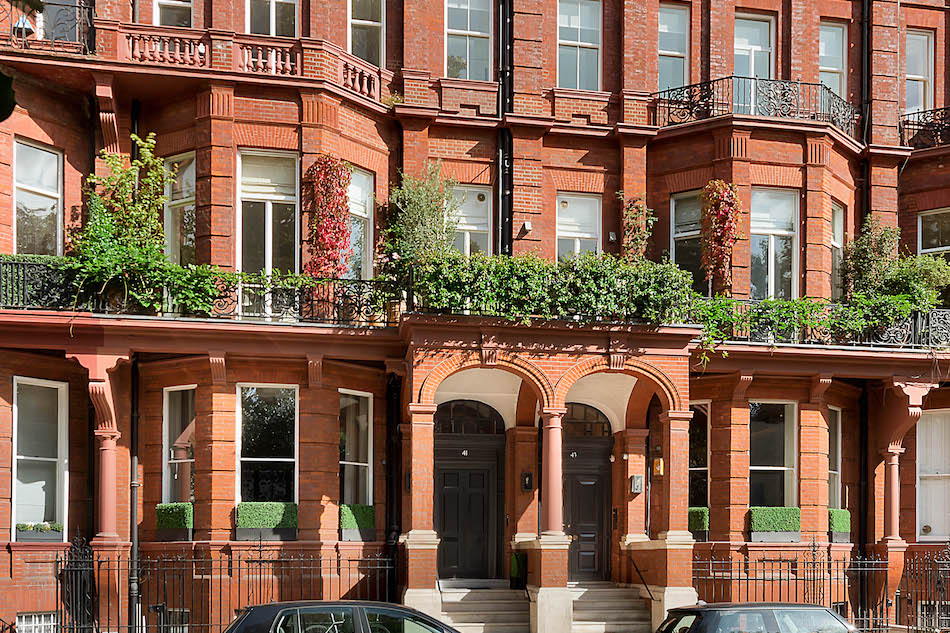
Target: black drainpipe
(504,233)
(863,441)
(866,104)
(393,459)
(134,606)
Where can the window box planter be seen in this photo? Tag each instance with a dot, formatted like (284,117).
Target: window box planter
(775,525)
(699,523)
(39,533)
(174,521)
(357,522)
(266,521)
(839,526)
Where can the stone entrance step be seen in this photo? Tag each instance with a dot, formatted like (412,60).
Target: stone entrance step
(485,610)
(603,607)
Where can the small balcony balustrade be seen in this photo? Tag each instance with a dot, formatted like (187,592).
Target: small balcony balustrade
(928,128)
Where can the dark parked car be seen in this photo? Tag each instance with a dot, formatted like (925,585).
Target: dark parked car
(334,617)
(752,617)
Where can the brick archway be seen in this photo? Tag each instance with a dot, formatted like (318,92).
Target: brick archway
(665,388)
(533,375)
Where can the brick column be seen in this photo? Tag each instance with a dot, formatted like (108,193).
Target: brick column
(522,447)
(731,163)
(816,221)
(675,442)
(717,61)
(802,41)
(813,462)
(215,210)
(216,454)
(529,195)
(729,465)
(885,71)
(319,486)
(633,515)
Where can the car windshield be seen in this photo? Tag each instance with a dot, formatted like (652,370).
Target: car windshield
(808,621)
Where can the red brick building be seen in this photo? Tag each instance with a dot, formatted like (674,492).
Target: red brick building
(474,439)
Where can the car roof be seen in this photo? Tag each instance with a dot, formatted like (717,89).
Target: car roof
(290,604)
(714,606)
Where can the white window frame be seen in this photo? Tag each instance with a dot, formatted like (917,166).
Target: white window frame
(62,451)
(366,270)
(157,8)
(920,241)
(707,404)
(58,194)
(791,489)
(682,8)
(921,537)
(686,235)
(239,418)
(477,189)
(835,467)
(599,48)
(269,214)
(841,72)
(273,18)
(468,35)
(837,246)
(928,79)
(167,460)
(561,195)
(350,21)
(170,204)
(796,254)
(49,622)
(369,449)
(752,17)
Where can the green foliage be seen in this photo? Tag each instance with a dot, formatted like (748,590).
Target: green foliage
(698,519)
(355,516)
(422,216)
(174,516)
(839,520)
(768,519)
(25,257)
(636,224)
(39,527)
(266,514)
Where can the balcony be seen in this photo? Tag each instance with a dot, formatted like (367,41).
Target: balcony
(62,27)
(754,97)
(928,128)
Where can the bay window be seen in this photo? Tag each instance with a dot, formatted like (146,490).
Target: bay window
(578,224)
(473,232)
(774,244)
(834,458)
(267,432)
(699,456)
(272,17)
(578,50)
(356,447)
(361,199)
(468,39)
(933,231)
(367,32)
(38,200)
(180,210)
(772,454)
(673,64)
(686,246)
(933,475)
(40,450)
(919,71)
(833,57)
(179,444)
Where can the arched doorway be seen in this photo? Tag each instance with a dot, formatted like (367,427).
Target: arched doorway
(588,442)
(469,489)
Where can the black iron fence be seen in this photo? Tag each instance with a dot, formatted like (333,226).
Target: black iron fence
(202,593)
(923,599)
(929,128)
(757,97)
(63,26)
(855,588)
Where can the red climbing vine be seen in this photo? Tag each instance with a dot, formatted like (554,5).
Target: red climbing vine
(326,199)
(720,230)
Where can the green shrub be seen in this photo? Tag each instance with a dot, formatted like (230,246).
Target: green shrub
(266,514)
(698,519)
(839,520)
(354,516)
(768,519)
(39,527)
(174,516)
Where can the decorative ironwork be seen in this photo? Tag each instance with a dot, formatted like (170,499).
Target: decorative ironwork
(754,96)
(928,128)
(468,417)
(923,599)
(63,26)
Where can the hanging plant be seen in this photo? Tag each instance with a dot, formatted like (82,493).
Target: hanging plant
(636,224)
(326,199)
(720,230)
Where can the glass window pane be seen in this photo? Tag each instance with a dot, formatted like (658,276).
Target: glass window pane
(687,211)
(182,234)
(754,33)
(353,484)
(698,446)
(267,481)
(916,95)
(688,255)
(358,243)
(365,42)
(831,46)
(567,66)
(268,416)
(474,207)
(797,620)
(698,488)
(759,269)
(767,434)
(284,236)
(260,17)
(354,428)
(767,488)
(763,64)
(784,260)
(674,26)
(672,72)
(286,15)
(59,21)
(253,235)
(169,15)
(918,54)
(286,622)
(37,224)
(35,491)
(773,209)
(480,20)
(587,246)
(935,230)
(180,442)
(397,622)
(832,81)
(578,216)
(329,619)
(459,242)
(369,10)
(37,168)
(37,420)
(457,56)
(837,224)
(268,177)
(183,185)
(478,59)
(589,69)
(565,248)
(479,243)
(458,17)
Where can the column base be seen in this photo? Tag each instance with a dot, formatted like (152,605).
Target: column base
(421,570)
(429,601)
(666,598)
(551,608)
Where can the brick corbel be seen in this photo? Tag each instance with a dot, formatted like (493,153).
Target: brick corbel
(314,370)
(488,346)
(819,385)
(219,368)
(743,382)
(108,119)
(397,366)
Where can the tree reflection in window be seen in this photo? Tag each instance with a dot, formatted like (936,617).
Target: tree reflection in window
(268,416)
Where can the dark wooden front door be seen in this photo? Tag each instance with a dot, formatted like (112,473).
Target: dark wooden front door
(463,522)
(585,520)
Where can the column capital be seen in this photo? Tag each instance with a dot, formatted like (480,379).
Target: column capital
(679,416)
(419,409)
(551,417)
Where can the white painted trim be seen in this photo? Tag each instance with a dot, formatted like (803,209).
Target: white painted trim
(793,435)
(599,48)
(239,420)
(166,475)
(59,194)
(929,78)
(843,71)
(920,249)
(924,537)
(841,501)
(382,30)
(796,252)
(62,451)
(370,439)
(561,195)
(687,9)
(468,34)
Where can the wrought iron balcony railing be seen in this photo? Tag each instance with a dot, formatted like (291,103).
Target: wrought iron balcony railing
(62,26)
(928,128)
(755,97)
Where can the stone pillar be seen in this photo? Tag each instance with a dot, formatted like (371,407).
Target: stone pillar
(892,494)
(552,481)
(420,541)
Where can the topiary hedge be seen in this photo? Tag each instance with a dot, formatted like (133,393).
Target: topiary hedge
(355,516)
(839,520)
(698,519)
(174,516)
(769,519)
(266,514)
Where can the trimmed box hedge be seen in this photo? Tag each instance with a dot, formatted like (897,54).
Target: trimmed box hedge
(39,527)
(174,516)
(698,519)
(355,516)
(266,514)
(839,520)
(768,519)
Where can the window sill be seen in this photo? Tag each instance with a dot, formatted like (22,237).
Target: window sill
(577,93)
